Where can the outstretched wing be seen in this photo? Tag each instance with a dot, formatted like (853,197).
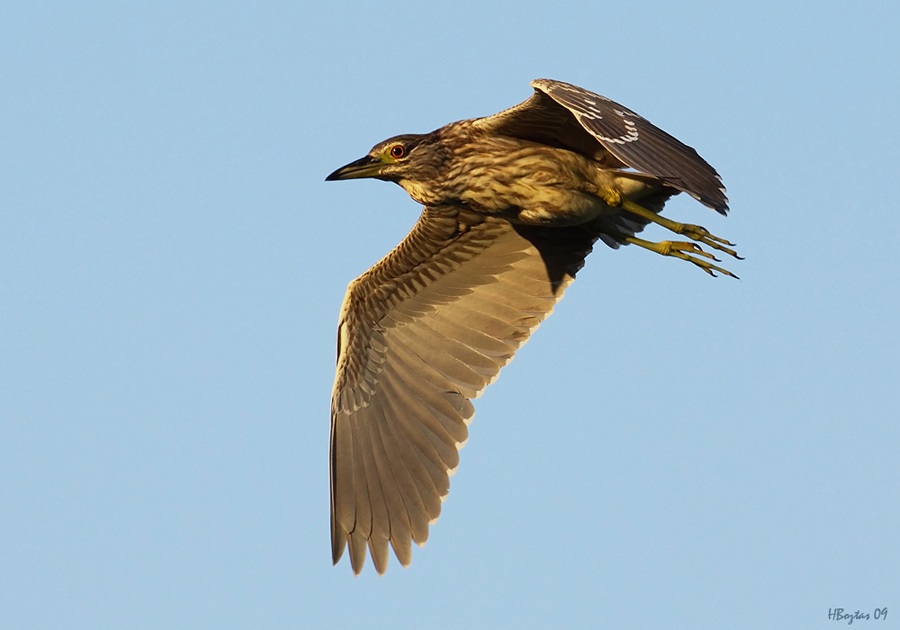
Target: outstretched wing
(561,114)
(420,334)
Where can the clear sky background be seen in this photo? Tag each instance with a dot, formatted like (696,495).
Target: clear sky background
(669,450)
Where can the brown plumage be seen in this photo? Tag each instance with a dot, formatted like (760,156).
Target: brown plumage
(513,204)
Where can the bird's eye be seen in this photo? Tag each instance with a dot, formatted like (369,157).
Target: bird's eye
(397,151)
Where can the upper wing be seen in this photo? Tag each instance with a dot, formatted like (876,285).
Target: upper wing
(565,115)
(420,334)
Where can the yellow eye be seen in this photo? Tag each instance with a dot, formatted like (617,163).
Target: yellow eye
(397,151)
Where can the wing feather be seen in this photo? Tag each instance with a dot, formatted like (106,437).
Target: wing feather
(567,116)
(420,334)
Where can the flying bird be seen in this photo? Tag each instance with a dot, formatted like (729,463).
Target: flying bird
(513,203)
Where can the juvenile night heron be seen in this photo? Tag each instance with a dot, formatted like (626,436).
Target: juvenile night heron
(513,204)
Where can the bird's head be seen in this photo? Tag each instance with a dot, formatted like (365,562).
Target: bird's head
(411,160)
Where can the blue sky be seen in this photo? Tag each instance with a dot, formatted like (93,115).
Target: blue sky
(669,450)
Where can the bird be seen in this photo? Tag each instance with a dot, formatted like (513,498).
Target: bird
(512,205)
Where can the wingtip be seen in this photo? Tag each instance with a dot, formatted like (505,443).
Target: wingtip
(722,206)
(357,551)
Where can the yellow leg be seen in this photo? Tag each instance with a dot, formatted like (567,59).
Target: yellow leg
(694,232)
(683,250)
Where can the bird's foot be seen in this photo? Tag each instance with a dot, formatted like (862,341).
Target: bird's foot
(702,235)
(694,232)
(684,250)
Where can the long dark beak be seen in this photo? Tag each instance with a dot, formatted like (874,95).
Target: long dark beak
(363,167)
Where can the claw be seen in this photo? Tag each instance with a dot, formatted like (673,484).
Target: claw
(691,252)
(694,232)
(702,235)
